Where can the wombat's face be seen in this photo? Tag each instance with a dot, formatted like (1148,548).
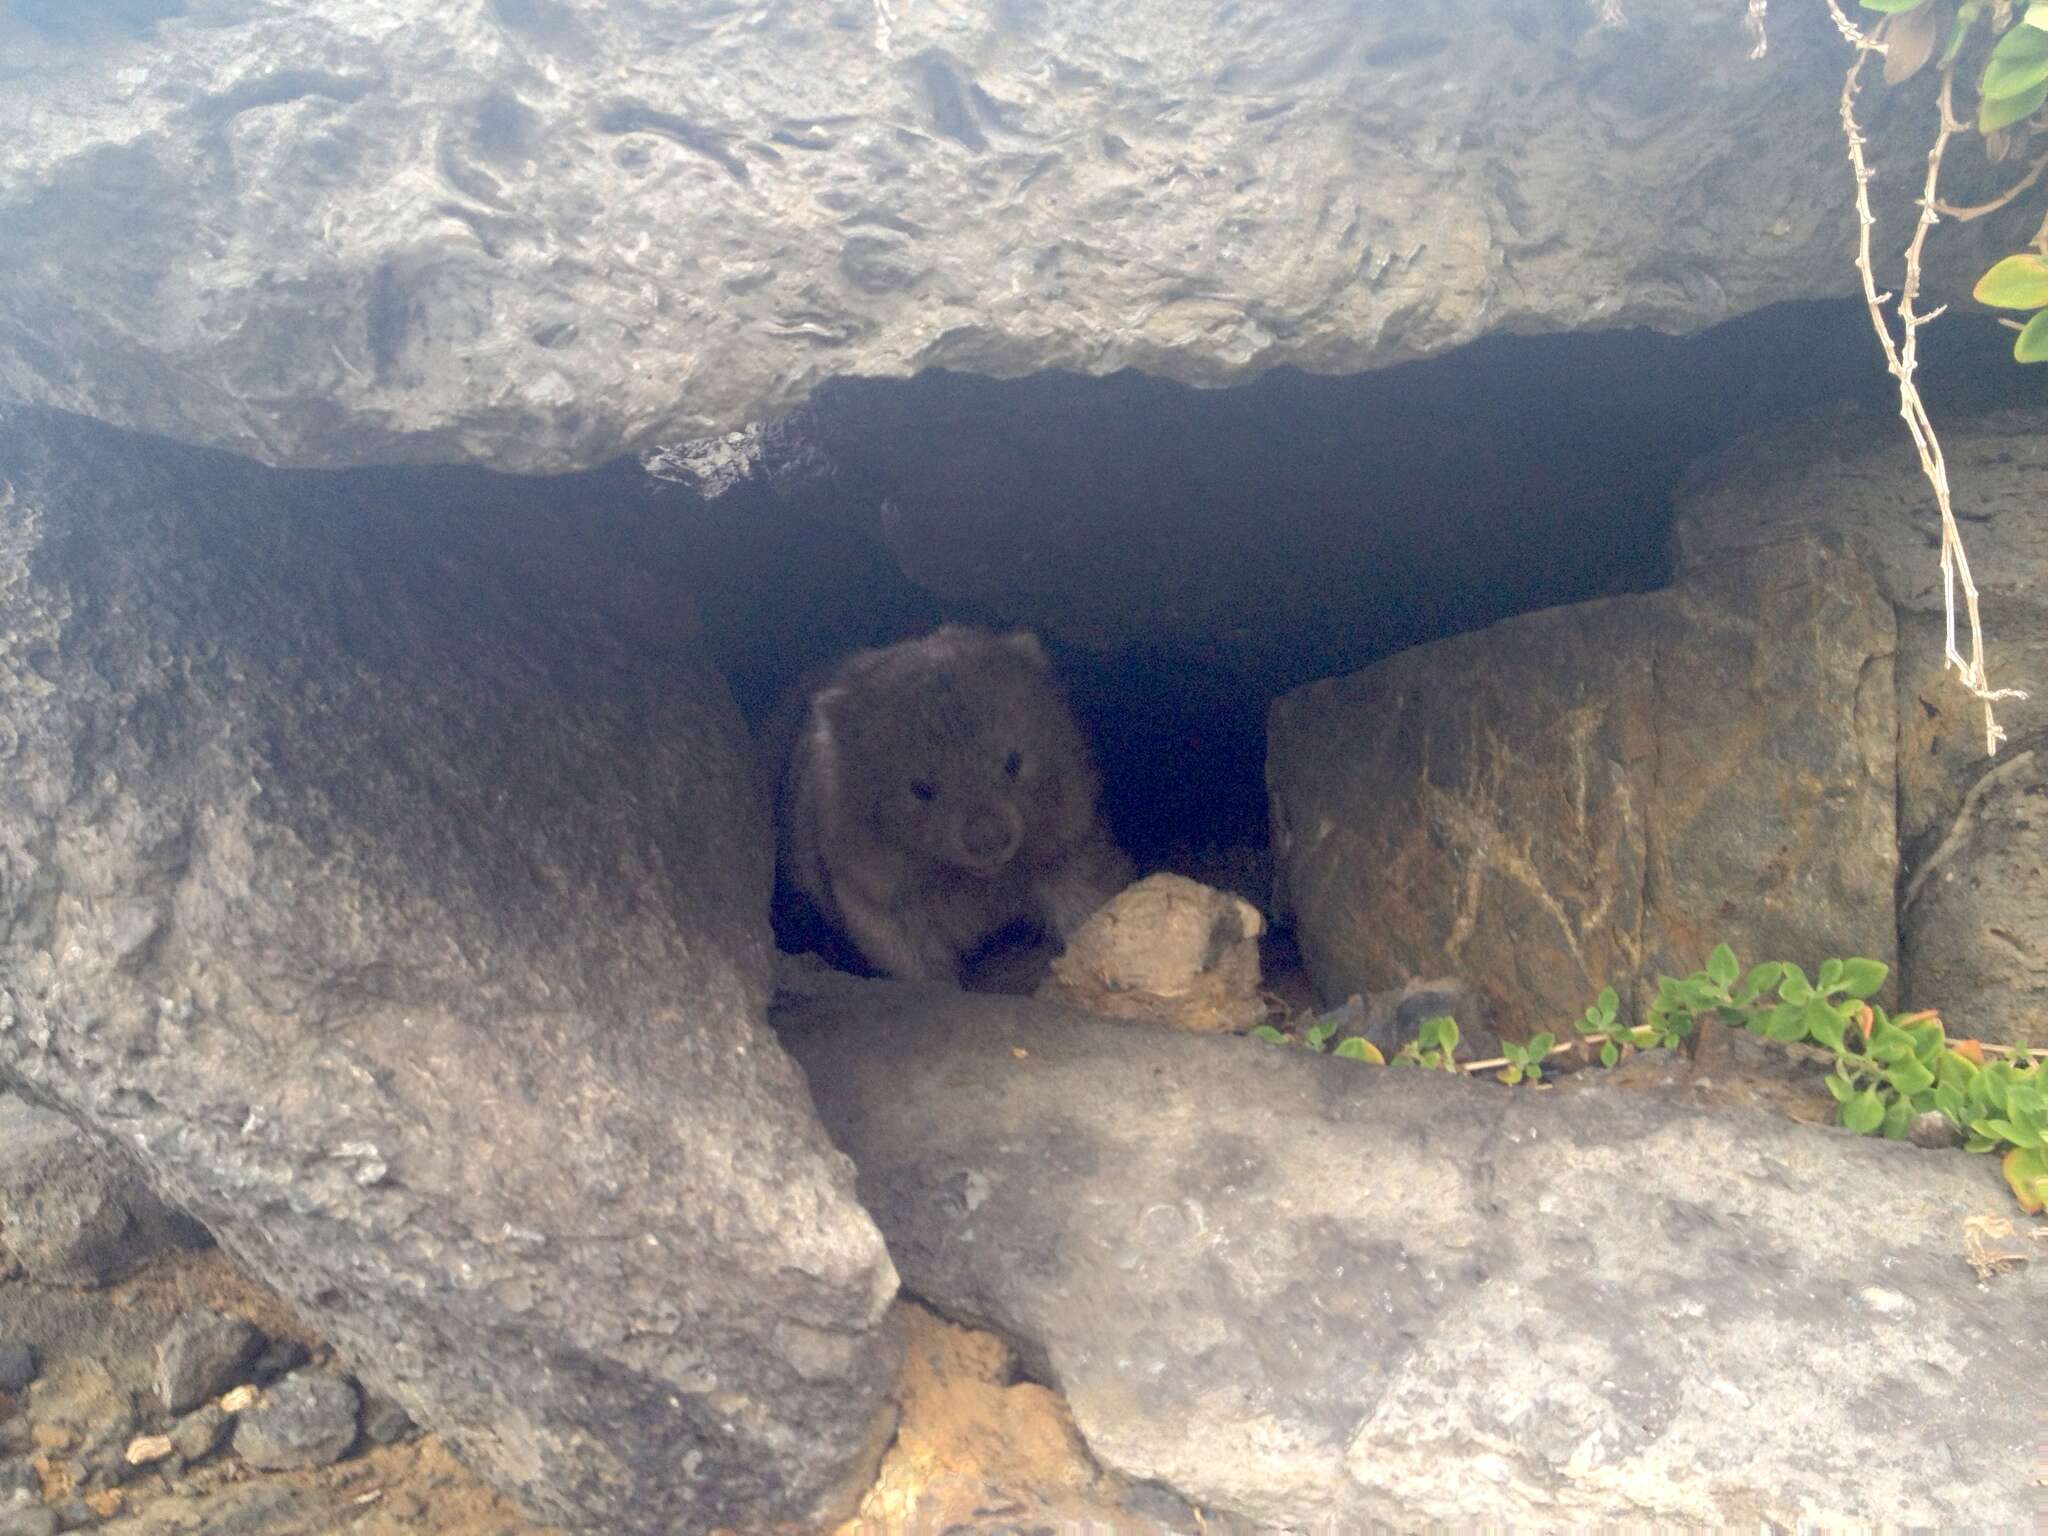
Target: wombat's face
(962,752)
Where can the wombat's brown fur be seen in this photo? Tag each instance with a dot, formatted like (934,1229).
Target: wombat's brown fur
(935,792)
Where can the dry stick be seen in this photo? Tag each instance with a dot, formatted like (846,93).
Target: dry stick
(2034,1054)
(1902,357)
(1978,210)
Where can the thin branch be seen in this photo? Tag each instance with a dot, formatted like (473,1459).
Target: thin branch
(1902,355)
(1852,32)
(1978,210)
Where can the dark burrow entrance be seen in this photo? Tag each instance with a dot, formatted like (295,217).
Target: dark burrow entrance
(1189,555)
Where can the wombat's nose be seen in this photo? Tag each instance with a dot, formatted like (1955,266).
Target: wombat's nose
(991,835)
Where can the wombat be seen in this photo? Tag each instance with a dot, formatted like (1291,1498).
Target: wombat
(935,792)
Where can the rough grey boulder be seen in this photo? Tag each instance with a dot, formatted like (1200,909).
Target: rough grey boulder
(1319,1294)
(72,1211)
(384,873)
(203,1355)
(1974,931)
(1597,794)
(306,1420)
(536,233)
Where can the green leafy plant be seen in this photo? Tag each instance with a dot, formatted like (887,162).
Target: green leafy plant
(1525,1062)
(1317,1038)
(1887,1073)
(1432,1046)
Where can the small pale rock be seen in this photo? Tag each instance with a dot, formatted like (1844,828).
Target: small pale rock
(52,1437)
(306,1420)
(1169,949)
(202,1355)
(17,1365)
(147,1449)
(200,1433)
(38,1521)
(240,1400)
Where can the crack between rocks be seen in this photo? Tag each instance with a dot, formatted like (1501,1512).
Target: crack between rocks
(1958,830)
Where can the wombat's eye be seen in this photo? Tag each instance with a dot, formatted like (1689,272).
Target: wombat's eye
(1014,764)
(922,790)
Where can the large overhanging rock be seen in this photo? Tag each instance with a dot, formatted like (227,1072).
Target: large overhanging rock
(1323,1295)
(539,232)
(383,872)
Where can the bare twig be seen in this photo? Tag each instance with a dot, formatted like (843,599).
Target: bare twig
(1902,356)
(1978,210)
(1851,31)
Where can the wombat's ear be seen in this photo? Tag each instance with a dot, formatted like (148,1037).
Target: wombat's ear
(1025,644)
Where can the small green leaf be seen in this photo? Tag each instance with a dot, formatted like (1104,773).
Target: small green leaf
(2018,63)
(1862,978)
(1609,1001)
(1830,975)
(1827,1029)
(1358,1048)
(1539,1045)
(1958,34)
(1898,1122)
(2006,1130)
(1609,1054)
(1721,965)
(1891,7)
(2004,111)
(1841,1088)
(2031,345)
(2026,1170)
(1864,1114)
(1268,1032)
(1319,1032)
(1949,1100)
(2017,282)
(1910,1077)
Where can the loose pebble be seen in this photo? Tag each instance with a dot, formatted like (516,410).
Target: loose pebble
(36,1521)
(17,1365)
(200,1433)
(203,1355)
(147,1449)
(306,1420)
(19,1483)
(384,1422)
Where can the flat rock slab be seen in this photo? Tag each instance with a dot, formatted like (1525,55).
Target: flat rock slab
(538,233)
(1303,1290)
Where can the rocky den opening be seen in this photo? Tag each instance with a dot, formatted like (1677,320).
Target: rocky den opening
(385,882)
